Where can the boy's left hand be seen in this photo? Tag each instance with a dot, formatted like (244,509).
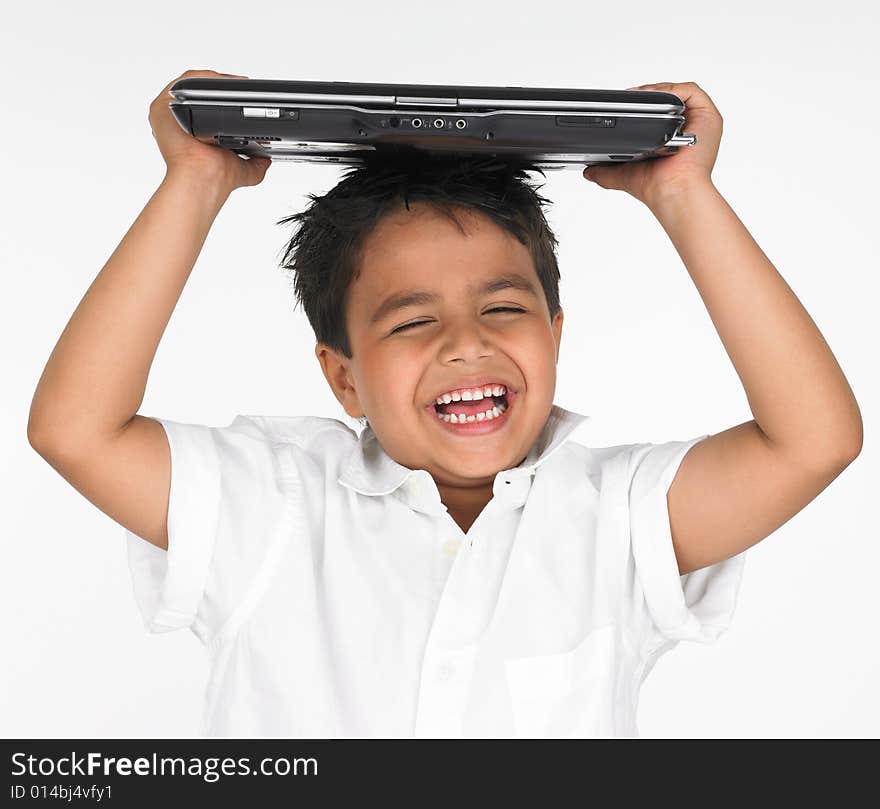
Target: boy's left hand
(654,178)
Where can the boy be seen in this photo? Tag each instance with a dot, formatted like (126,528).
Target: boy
(458,569)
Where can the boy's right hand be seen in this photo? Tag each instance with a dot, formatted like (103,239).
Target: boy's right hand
(184,153)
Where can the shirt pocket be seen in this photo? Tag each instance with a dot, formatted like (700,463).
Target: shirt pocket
(569,694)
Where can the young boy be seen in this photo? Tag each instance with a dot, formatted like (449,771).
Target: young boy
(459,568)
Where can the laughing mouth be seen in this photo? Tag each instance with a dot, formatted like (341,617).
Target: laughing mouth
(473,412)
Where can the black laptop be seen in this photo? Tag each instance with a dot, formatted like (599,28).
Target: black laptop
(347,123)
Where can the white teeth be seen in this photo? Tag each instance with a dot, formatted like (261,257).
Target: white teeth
(473,395)
(488,415)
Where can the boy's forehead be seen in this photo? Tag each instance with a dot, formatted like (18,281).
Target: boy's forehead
(410,248)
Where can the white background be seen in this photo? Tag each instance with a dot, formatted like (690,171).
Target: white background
(797,90)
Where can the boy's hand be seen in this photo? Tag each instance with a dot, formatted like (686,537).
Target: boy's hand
(183,152)
(652,179)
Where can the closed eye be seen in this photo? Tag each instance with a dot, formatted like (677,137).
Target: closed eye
(422,322)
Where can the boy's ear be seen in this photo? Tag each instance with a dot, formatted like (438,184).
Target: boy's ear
(336,372)
(557,330)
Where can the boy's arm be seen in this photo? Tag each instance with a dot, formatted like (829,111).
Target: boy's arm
(96,376)
(83,415)
(735,488)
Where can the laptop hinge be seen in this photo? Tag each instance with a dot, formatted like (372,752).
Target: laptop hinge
(426,102)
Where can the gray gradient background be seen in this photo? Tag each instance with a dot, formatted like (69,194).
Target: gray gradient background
(797,90)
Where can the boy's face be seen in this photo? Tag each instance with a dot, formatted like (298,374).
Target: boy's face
(394,378)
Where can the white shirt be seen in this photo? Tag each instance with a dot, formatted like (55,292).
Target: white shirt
(336,596)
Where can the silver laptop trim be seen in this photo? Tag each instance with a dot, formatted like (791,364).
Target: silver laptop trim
(461,103)
(669,110)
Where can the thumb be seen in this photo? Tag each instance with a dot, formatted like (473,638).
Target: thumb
(602,175)
(257,168)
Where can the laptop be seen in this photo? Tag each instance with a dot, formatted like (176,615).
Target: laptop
(350,122)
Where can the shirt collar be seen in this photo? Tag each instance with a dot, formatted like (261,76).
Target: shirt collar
(369,470)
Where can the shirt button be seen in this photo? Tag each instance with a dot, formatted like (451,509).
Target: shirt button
(450,547)
(445,672)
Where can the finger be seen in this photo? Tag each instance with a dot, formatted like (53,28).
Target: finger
(694,97)
(196,74)
(257,168)
(608,177)
(213,73)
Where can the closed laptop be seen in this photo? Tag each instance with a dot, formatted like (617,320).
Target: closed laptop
(348,122)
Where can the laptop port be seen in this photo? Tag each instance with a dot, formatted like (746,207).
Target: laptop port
(438,123)
(460,123)
(416,122)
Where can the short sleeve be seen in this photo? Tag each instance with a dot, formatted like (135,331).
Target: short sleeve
(697,606)
(228,502)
